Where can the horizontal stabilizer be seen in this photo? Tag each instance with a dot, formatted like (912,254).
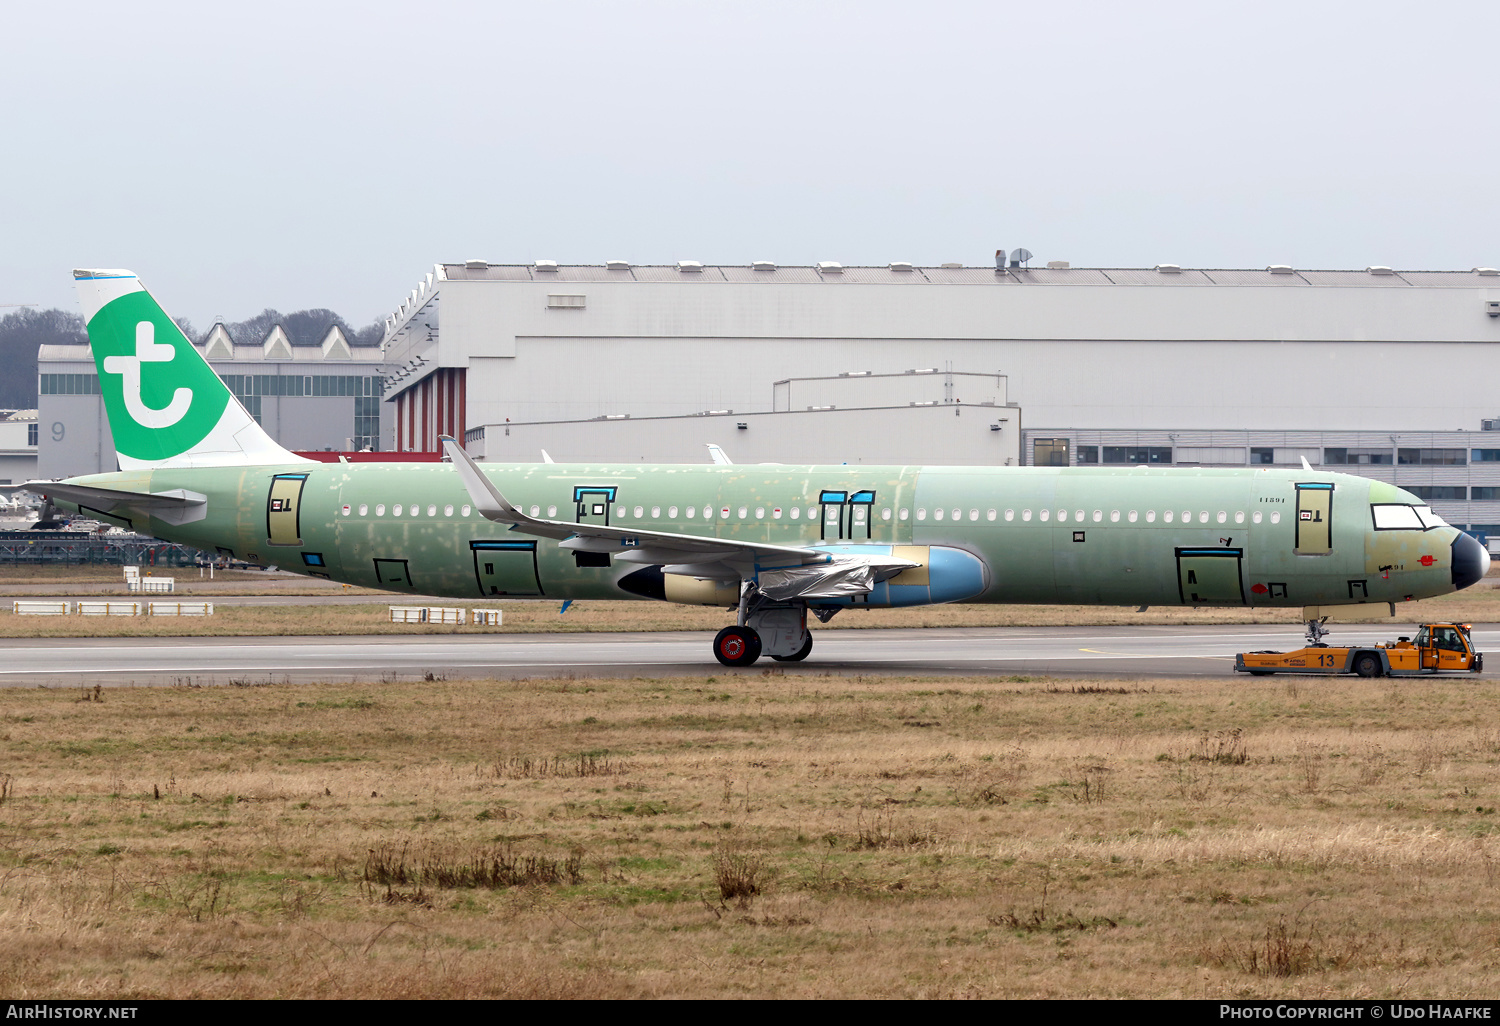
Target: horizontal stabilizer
(177,506)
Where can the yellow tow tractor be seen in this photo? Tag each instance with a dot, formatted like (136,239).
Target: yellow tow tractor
(1438,648)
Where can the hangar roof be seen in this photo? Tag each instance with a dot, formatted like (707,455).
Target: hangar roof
(906,274)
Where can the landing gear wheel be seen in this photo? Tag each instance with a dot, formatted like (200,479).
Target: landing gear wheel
(799,655)
(1367,665)
(737,646)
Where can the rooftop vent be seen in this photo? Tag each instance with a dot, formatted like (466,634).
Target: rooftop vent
(1168,269)
(855,374)
(901,265)
(545,265)
(952,267)
(617,265)
(689,267)
(1281,269)
(555,302)
(1056,265)
(1486,270)
(1379,270)
(477,265)
(922,370)
(763,265)
(830,267)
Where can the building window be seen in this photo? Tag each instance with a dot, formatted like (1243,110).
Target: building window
(1486,494)
(1438,493)
(1357,457)
(1486,455)
(1049,452)
(1137,454)
(1088,454)
(1266,455)
(1430,457)
(31,434)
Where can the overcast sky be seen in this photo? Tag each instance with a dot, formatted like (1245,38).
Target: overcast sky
(318,154)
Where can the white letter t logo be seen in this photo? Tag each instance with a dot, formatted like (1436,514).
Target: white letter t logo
(129,369)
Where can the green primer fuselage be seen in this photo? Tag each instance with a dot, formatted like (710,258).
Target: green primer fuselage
(1233,537)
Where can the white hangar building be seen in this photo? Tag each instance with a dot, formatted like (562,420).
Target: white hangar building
(1377,372)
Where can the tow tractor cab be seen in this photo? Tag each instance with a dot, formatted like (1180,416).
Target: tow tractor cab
(1438,648)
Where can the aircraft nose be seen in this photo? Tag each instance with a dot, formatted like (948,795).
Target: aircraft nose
(1471,561)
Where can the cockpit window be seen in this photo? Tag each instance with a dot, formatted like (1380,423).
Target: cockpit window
(1429,518)
(1397,517)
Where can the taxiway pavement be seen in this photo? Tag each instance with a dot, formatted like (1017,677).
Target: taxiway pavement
(1127,652)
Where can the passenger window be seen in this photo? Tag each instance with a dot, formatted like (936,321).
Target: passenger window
(902,514)
(1010,514)
(990,514)
(672,512)
(396,511)
(812,514)
(937,514)
(619,511)
(1275,516)
(1025,514)
(1099,515)
(692,511)
(1223,517)
(1203,517)
(743,511)
(1239,516)
(551,511)
(1150,516)
(760,512)
(1166,516)
(447,510)
(885,514)
(536,511)
(639,512)
(1044,515)
(1114,516)
(1078,515)
(796,512)
(655,512)
(380,510)
(921,514)
(432,510)
(363,509)
(974,515)
(1062,515)
(1255,517)
(957,514)
(1131,516)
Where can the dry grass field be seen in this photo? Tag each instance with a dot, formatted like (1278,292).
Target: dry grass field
(784,836)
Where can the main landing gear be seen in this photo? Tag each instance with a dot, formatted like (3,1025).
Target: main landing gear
(776,629)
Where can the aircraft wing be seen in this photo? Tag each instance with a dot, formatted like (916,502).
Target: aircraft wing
(177,506)
(679,553)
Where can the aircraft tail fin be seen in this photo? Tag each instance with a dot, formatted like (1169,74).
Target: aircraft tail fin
(166,406)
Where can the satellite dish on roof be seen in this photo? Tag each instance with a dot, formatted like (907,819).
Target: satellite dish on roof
(1019,257)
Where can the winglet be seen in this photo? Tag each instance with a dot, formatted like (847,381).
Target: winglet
(719,455)
(546,457)
(487,498)
(1306,466)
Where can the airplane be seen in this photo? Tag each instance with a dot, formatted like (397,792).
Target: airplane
(772,542)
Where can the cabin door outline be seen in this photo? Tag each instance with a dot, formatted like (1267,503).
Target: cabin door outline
(1314,519)
(591,503)
(1210,576)
(284,509)
(506,568)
